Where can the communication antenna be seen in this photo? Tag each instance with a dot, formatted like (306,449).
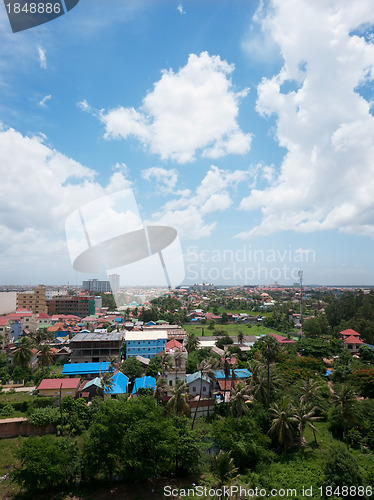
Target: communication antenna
(300,274)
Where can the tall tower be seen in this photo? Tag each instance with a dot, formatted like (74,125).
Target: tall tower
(114,282)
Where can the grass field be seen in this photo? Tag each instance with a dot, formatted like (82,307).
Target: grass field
(231,329)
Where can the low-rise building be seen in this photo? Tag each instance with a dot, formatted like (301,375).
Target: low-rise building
(145,343)
(95,347)
(59,387)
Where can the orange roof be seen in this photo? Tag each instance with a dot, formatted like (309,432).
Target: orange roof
(349,333)
(172,344)
(353,340)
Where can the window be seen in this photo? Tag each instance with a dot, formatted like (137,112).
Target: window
(204,389)
(170,382)
(193,389)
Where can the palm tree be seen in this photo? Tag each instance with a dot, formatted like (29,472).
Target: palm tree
(304,414)
(282,423)
(23,354)
(166,362)
(270,350)
(259,380)
(107,382)
(177,404)
(345,400)
(160,390)
(45,356)
(224,468)
(205,369)
(239,397)
(178,358)
(310,390)
(240,337)
(192,342)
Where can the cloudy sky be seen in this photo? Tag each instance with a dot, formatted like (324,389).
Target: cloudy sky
(247,126)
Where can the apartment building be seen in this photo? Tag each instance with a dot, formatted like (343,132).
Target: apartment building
(145,343)
(95,347)
(33,300)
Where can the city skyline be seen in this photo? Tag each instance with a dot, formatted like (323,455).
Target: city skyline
(246,126)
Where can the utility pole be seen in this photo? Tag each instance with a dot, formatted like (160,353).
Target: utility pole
(300,273)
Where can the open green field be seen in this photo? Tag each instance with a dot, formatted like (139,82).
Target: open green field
(231,329)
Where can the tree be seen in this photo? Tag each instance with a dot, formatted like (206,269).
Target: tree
(259,381)
(132,368)
(344,399)
(46,462)
(224,469)
(205,369)
(240,337)
(239,399)
(160,391)
(46,356)
(364,380)
(23,354)
(224,318)
(192,342)
(270,349)
(106,382)
(304,415)
(341,469)
(282,423)
(177,404)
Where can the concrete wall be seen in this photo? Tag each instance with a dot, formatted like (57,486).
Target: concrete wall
(8,302)
(13,427)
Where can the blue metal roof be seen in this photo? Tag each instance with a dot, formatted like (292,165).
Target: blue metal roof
(85,368)
(328,372)
(239,372)
(196,376)
(120,382)
(144,382)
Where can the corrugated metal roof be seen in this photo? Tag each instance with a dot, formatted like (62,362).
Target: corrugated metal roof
(85,368)
(120,382)
(144,382)
(55,383)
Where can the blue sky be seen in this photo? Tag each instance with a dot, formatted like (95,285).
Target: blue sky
(246,126)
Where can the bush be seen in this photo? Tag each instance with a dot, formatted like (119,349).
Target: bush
(7,411)
(44,416)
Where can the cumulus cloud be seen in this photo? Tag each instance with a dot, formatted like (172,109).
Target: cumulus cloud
(326,179)
(180,9)
(40,187)
(187,213)
(166,180)
(42,57)
(190,111)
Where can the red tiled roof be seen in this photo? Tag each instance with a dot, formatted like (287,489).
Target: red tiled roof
(353,340)
(4,320)
(282,340)
(349,333)
(55,383)
(172,344)
(43,316)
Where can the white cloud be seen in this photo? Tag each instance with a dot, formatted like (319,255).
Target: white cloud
(46,98)
(193,110)
(40,187)
(42,57)
(186,213)
(166,180)
(326,178)
(180,9)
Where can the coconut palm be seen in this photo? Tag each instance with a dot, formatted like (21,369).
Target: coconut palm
(23,354)
(304,415)
(192,342)
(282,427)
(205,369)
(239,397)
(46,356)
(240,337)
(259,380)
(270,350)
(178,360)
(345,400)
(177,404)
(311,391)
(160,391)
(107,382)
(224,468)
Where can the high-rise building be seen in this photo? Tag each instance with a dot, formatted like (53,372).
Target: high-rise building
(95,285)
(114,282)
(33,300)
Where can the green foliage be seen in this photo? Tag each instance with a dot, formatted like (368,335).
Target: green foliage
(341,469)
(132,368)
(7,411)
(317,348)
(224,340)
(363,379)
(304,368)
(46,462)
(44,416)
(243,439)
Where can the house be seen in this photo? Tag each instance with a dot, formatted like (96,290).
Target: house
(120,383)
(87,370)
(352,340)
(178,355)
(196,382)
(5,331)
(59,387)
(145,343)
(282,340)
(145,382)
